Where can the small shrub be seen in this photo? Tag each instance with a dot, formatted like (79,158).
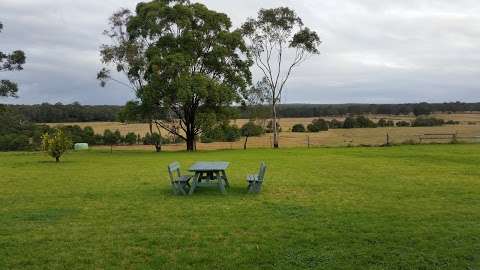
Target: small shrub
(426,121)
(250,129)
(335,124)
(56,144)
(111,138)
(130,138)
(75,133)
(223,133)
(452,122)
(350,122)
(88,135)
(403,124)
(231,133)
(385,123)
(298,128)
(364,122)
(98,139)
(318,125)
(154,139)
(212,135)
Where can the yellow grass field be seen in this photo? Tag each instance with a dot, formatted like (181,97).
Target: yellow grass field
(468,130)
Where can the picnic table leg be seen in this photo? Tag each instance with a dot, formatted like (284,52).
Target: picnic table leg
(224,175)
(221,183)
(194,183)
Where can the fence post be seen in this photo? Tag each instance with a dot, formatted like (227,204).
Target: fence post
(308,141)
(388,139)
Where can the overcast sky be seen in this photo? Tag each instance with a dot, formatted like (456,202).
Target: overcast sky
(373,51)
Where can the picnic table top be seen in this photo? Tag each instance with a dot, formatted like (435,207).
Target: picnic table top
(209,166)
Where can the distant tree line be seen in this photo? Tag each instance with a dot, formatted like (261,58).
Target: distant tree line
(67,113)
(312,110)
(75,112)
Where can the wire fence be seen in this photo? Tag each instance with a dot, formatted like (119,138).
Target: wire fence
(331,139)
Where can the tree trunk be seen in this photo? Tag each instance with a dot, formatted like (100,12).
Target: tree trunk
(57,159)
(111,148)
(274,125)
(245,144)
(190,142)
(190,134)
(158,147)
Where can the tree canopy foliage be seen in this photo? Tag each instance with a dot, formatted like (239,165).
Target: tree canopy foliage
(65,113)
(75,112)
(10,62)
(188,66)
(56,144)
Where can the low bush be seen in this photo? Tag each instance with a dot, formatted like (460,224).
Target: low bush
(335,124)
(130,138)
(318,125)
(385,123)
(427,121)
(298,128)
(223,133)
(250,129)
(358,122)
(56,144)
(403,124)
(452,122)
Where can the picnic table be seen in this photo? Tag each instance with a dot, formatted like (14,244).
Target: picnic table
(209,174)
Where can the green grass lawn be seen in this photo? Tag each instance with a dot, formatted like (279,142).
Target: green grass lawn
(408,207)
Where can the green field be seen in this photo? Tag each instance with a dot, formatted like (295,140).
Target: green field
(406,207)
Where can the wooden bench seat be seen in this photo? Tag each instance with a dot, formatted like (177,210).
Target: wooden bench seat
(255,181)
(180,183)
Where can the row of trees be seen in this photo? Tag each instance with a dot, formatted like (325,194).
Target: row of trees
(417,109)
(318,125)
(64,113)
(75,112)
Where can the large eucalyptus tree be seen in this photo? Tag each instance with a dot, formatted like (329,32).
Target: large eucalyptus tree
(279,42)
(191,66)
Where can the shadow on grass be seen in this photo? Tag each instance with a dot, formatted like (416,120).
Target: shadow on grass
(54,162)
(204,192)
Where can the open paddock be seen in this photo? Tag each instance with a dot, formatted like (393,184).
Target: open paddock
(404,207)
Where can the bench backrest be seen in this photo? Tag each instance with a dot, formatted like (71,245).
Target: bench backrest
(261,172)
(174,168)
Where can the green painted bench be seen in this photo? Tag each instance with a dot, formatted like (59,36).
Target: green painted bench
(255,181)
(180,183)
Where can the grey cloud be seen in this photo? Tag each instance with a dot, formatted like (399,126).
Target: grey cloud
(374,51)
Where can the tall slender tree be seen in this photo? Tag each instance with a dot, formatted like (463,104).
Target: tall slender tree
(272,35)
(10,62)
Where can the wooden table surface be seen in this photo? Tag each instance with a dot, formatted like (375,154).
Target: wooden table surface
(209,166)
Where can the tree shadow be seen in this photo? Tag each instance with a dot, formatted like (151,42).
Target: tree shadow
(54,162)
